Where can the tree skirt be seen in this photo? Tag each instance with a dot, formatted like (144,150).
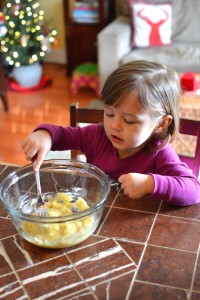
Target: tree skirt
(14,86)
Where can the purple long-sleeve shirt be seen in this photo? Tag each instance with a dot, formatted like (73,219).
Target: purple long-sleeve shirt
(174,181)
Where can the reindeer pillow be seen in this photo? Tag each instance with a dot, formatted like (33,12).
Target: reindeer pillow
(151,23)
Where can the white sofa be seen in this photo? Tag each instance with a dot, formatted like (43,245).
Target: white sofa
(113,42)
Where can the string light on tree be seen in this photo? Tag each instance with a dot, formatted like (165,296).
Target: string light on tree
(26,38)
(3,29)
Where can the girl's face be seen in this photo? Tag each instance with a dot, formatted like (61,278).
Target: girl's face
(128,126)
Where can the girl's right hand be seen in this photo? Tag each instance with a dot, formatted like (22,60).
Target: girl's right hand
(37,144)
(136,185)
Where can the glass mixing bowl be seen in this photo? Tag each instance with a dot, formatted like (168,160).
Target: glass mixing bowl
(75,193)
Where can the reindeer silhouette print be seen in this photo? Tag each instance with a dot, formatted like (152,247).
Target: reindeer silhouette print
(154,38)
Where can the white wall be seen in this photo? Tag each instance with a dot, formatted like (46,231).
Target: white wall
(54,15)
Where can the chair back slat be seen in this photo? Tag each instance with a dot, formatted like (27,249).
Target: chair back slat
(191,127)
(3,85)
(84,115)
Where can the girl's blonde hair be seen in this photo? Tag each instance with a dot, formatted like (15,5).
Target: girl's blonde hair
(157,86)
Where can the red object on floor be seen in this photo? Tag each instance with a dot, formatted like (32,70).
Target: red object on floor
(190,81)
(14,86)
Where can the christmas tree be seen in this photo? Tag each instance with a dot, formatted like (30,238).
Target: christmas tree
(26,39)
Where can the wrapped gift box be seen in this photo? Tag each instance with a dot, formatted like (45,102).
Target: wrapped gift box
(190,81)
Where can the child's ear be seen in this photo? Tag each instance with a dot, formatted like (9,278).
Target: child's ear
(164,123)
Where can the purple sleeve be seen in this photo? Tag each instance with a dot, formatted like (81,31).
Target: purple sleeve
(174,181)
(62,137)
(72,138)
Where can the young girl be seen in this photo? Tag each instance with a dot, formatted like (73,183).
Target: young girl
(140,118)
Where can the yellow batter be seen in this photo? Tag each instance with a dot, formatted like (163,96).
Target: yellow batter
(58,235)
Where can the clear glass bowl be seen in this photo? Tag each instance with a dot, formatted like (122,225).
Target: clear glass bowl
(18,192)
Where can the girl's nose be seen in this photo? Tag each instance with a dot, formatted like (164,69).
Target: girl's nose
(116,124)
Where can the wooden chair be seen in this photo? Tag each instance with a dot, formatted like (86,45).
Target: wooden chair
(187,127)
(84,116)
(3,86)
(191,128)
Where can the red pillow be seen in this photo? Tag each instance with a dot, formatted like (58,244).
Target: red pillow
(151,23)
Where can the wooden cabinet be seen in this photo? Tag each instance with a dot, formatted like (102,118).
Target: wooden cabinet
(83,21)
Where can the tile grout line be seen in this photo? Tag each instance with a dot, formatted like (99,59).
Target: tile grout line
(171,248)
(162,285)
(142,255)
(194,273)
(125,252)
(111,206)
(180,217)
(160,214)
(7,258)
(86,246)
(82,278)
(87,281)
(135,210)
(3,169)
(28,266)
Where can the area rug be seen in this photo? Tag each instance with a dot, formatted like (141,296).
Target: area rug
(14,86)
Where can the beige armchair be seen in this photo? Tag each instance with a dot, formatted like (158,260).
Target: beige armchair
(183,54)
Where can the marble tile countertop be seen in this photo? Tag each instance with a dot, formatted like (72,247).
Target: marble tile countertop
(143,249)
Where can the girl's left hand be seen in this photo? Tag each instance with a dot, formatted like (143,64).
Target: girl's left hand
(136,185)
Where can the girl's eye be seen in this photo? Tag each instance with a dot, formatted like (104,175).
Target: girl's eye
(110,115)
(129,122)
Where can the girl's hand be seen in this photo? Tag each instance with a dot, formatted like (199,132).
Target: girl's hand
(136,185)
(37,144)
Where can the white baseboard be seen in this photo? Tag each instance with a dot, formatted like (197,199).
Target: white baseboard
(56,56)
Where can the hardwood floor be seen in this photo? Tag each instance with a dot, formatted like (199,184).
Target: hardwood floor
(27,110)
